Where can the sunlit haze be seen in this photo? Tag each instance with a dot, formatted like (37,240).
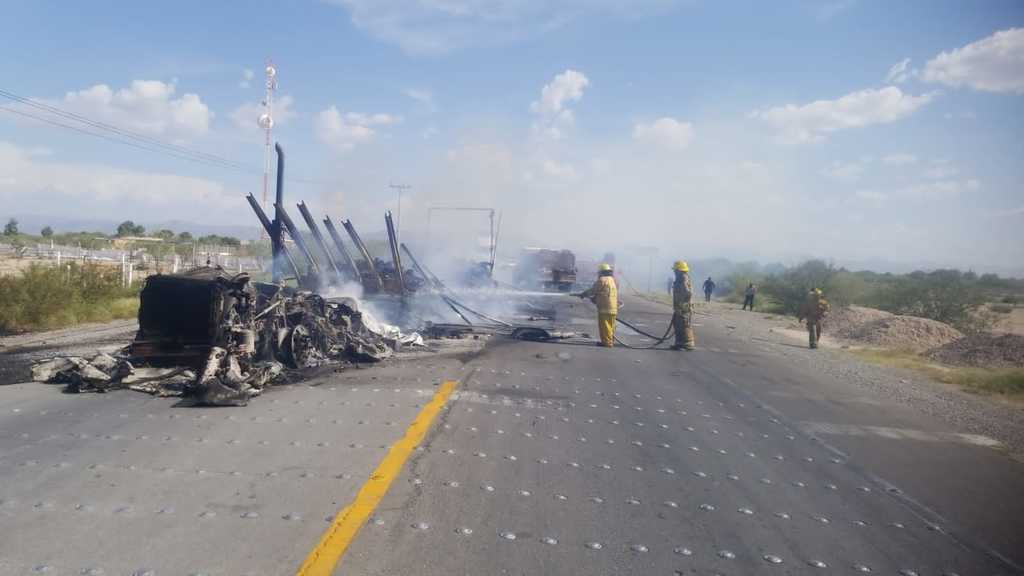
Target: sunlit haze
(867,133)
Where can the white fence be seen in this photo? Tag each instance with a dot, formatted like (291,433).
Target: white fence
(135,264)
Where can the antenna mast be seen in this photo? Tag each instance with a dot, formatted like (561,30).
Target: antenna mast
(266,121)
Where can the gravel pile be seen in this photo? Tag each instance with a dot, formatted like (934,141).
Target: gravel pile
(871,327)
(847,323)
(982,350)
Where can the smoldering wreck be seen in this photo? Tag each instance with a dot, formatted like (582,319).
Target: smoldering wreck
(220,339)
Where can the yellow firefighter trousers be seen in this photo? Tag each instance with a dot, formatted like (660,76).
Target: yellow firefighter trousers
(682,322)
(813,331)
(606,327)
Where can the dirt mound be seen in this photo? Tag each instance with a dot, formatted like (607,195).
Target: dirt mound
(871,327)
(982,350)
(908,333)
(846,323)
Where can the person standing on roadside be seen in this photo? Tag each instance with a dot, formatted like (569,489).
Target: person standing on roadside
(709,289)
(605,295)
(813,310)
(748,296)
(682,307)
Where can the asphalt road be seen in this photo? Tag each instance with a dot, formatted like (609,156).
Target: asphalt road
(562,458)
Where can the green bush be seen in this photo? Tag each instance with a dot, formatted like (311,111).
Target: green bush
(46,297)
(789,288)
(949,296)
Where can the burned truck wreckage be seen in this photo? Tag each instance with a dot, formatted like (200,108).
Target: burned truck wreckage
(222,339)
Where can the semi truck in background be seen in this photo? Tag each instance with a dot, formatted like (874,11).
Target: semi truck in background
(546,269)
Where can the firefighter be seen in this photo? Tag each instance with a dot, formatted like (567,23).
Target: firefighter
(682,307)
(814,310)
(605,295)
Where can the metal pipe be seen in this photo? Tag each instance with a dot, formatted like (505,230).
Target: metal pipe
(293,231)
(370,266)
(269,227)
(276,242)
(319,239)
(416,265)
(494,245)
(353,270)
(396,257)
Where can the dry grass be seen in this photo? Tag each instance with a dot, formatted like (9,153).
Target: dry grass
(46,298)
(1007,382)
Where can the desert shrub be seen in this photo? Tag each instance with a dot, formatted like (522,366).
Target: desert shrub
(45,297)
(843,288)
(1001,308)
(948,296)
(789,288)
(736,285)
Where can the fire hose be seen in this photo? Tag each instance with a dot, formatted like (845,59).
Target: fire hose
(669,332)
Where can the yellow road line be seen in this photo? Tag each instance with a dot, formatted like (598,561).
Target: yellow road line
(322,560)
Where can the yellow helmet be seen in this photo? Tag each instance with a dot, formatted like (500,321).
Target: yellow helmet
(604,267)
(817,291)
(681,266)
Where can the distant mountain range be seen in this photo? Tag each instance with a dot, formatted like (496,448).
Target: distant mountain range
(33,223)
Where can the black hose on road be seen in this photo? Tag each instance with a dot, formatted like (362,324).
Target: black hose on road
(669,332)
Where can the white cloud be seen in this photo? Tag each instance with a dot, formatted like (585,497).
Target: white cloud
(247,76)
(811,122)
(992,64)
(667,132)
(246,115)
(844,171)
(555,117)
(929,189)
(565,87)
(147,106)
(899,159)
(344,131)
(439,26)
(31,182)
(421,96)
(898,74)
(829,10)
(942,188)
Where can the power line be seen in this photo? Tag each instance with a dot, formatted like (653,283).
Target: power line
(101,135)
(119,135)
(123,132)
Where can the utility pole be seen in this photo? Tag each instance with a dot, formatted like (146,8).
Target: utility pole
(266,122)
(398,213)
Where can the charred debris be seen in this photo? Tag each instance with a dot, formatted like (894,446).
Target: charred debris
(221,339)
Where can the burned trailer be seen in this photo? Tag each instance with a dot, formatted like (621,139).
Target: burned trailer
(183,316)
(232,337)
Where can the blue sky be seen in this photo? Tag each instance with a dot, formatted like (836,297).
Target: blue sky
(851,130)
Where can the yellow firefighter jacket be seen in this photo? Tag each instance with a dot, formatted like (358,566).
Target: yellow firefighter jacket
(605,295)
(682,293)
